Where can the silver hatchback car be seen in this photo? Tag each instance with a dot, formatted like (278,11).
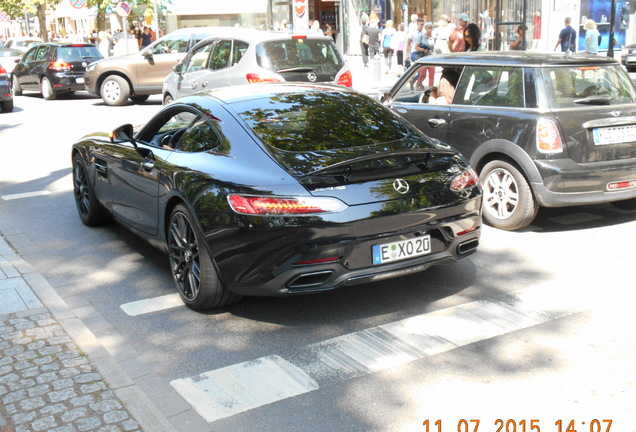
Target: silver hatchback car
(243,56)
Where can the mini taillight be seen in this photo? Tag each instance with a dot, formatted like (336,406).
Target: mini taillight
(620,185)
(253,78)
(60,66)
(465,180)
(346,79)
(262,205)
(548,137)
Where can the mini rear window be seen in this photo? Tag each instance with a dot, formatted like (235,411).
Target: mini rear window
(281,55)
(576,86)
(302,122)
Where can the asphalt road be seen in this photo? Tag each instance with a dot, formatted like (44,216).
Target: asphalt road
(536,326)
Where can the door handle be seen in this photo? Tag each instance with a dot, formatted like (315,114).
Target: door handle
(204,83)
(435,123)
(148,165)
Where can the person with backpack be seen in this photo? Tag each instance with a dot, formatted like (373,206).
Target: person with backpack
(387,48)
(567,37)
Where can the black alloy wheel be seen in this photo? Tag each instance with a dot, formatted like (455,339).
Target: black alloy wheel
(192,269)
(89,209)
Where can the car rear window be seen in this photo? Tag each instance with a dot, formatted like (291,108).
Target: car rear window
(576,86)
(281,55)
(74,53)
(302,122)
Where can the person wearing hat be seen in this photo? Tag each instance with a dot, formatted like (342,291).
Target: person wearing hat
(456,41)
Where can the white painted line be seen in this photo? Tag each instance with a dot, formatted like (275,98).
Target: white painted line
(25,195)
(152,305)
(234,389)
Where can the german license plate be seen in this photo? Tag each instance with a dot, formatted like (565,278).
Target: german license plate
(614,135)
(400,250)
(79,80)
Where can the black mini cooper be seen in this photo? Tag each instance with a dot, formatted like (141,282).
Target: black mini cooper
(540,129)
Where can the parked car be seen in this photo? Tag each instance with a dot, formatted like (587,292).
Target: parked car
(6,93)
(540,129)
(9,57)
(52,68)
(628,57)
(22,43)
(280,189)
(139,75)
(243,56)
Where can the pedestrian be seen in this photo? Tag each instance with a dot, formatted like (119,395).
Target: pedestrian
(364,41)
(105,43)
(456,41)
(146,37)
(387,36)
(374,38)
(414,40)
(592,37)
(520,43)
(427,41)
(440,37)
(472,38)
(413,24)
(567,37)
(399,42)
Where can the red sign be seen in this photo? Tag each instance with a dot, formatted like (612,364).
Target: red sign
(4,17)
(78,4)
(123,9)
(300,6)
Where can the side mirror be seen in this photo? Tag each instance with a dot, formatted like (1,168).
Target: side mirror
(148,54)
(385,99)
(178,68)
(122,134)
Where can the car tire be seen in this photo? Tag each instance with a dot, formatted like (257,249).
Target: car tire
(139,98)
(89,208)
(17,90)
(192,269)
(115,90)
(508,200)
(167,99)
(629,204)
(6,106)
(47,89)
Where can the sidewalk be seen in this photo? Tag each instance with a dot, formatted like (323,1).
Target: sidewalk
(371,80)
(54,374)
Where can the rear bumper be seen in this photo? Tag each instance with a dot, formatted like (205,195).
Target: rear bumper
(67,82)
(567,183)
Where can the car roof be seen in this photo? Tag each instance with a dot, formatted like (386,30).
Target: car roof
(516,58)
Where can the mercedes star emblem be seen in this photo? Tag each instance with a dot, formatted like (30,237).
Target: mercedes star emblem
(401,186)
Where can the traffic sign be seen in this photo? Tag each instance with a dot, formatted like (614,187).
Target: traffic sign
(4,17)
(78,4)
(122,9)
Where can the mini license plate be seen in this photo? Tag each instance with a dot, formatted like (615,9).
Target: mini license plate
(400,250)
(79,80)
(614,135)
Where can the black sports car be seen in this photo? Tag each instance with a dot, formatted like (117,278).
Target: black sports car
(277,189)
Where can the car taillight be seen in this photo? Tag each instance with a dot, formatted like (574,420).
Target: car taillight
(60,66)
(346,79)
(548,137)
(621,185)
(263,205)
(2,70)
(253,78)
(465,180)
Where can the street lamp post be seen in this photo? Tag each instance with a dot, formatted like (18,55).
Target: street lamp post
(610,50)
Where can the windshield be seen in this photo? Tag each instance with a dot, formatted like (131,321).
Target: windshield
(588,85)
(305,122)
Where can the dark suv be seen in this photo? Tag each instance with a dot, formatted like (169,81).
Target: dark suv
(52,68)
(540,129)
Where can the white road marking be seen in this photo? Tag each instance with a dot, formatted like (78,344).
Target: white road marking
(234,389)
(154,304)
(25,195)
(238,388)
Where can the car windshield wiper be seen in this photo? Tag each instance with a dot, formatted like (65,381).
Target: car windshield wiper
(296,69)
(594,100)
